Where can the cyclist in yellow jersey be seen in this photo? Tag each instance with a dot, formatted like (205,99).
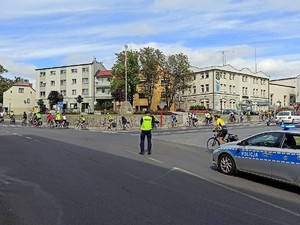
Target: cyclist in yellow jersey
(221,128)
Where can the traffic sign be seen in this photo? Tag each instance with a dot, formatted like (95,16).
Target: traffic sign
(60,104)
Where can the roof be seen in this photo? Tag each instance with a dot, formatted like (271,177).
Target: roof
(229,68)
(101,73)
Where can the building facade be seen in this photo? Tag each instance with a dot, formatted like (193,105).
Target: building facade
(283,93)
(70,81)
(19,98)
(224,87)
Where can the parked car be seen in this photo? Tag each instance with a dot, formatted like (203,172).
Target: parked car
(251,112)
(272,154)
(228,111)
(287,117)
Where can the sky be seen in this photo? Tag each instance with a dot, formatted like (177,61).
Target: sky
(262,35)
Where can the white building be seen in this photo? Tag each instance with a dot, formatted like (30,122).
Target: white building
(19,98)
(70,81)
(224,87)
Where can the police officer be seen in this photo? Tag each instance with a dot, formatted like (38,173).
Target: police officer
(146,127)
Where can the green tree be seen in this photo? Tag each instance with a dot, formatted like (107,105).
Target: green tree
(150,65)
(176,76)
(79,100)
(118,76)
(54,97)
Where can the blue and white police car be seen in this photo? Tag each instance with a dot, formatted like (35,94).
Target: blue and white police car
(272,154)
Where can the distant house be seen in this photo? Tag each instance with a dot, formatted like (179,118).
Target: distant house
(19,98)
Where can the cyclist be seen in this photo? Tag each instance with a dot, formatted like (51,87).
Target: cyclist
(124,122)
(24,118)
(50,118)
(208,118)
(221,128)
(65,123)
(38,118)
(57,119)
(173,119)
(194,119)
(1,117)
(110,120)
(82,120)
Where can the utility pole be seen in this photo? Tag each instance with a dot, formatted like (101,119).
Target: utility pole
(224,56)
(126,46)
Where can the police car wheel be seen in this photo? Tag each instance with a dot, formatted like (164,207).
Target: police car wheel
(226,164)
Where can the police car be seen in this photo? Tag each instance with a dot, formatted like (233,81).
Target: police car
(272,154)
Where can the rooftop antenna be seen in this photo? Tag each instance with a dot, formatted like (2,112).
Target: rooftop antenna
(255,62)
(224,56)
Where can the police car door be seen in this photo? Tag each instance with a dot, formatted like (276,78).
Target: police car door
(286,162)
(256,156)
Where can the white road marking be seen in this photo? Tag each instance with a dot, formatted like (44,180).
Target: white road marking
(155,160)
(239,192)
(29,138)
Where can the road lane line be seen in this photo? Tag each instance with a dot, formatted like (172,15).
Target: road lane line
(155,160)
(238,192)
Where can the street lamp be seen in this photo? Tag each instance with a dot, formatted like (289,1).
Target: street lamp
(126,46)
(221,102)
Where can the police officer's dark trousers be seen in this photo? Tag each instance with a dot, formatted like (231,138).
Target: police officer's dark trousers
(145,133)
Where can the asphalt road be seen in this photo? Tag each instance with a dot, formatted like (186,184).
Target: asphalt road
(68,177)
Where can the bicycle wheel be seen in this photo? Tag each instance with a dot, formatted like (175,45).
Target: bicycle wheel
(187,124)
(169,124)
(77,126)
(212,144)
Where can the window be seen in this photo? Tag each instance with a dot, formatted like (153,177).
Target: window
(52,83)
(63,71)
(63,92)
(202,76)
(85,91)
(230,88)
(207,87)
(85,69)
(202,88)
(63,82)
(52,72)
(21,90)
(28,100)
(206,75)
(194,88)
(42,74)
(85,80)
(73,81)
(73,91)
(195,77)
(271,139)
(42,84)
(42,94)
(73,70)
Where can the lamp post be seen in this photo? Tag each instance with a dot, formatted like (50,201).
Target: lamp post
(221,103)
(9,106)
(126,46)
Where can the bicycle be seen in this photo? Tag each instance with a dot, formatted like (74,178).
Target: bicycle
(24,122)
(81,126)
(172,124)
(50,124)
(213,142)
(192,123)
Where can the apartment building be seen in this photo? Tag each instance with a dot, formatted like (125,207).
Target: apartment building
(19,98)
(224,87)
(70,81)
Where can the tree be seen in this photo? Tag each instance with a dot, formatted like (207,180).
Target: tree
(54,97)
(176,76)
(118,76)
(79,100)
(41,104)
(150,63)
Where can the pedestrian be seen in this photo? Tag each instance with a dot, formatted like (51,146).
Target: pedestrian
(147,124)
